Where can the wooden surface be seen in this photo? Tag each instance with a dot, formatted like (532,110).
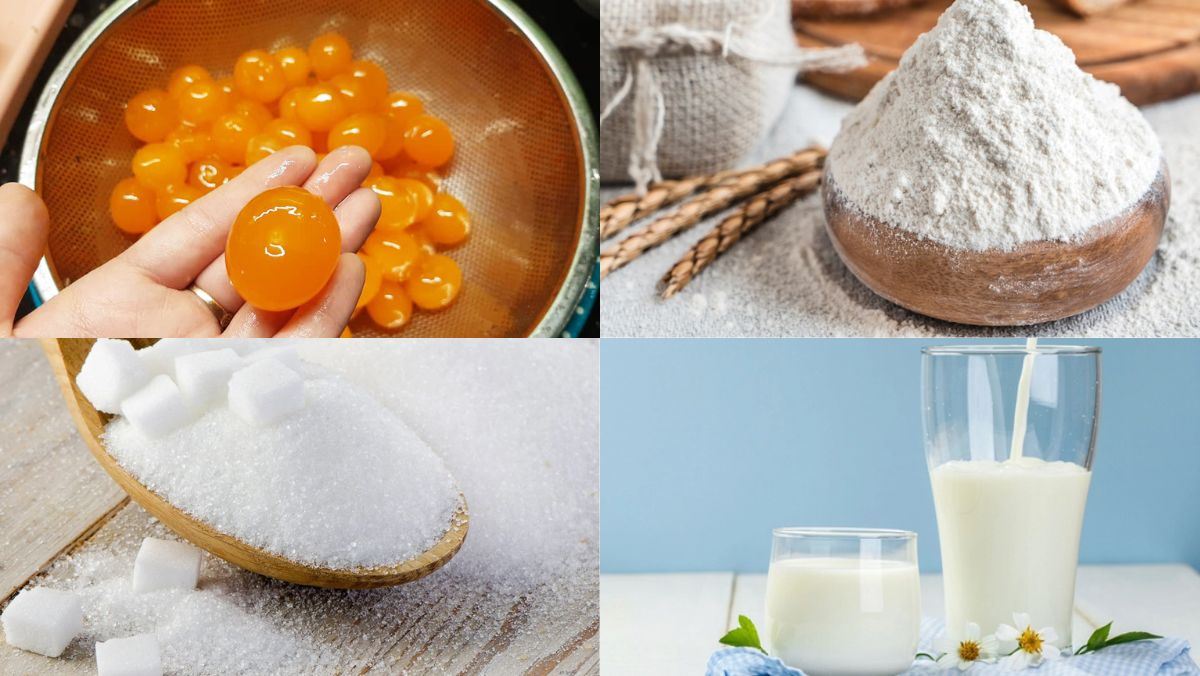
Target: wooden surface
(669,623)
(41,459)
(1033,283)
(66,357)
(55,501)
(1150,48)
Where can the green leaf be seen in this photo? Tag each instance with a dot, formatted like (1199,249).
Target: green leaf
(1098,637)
(926,656)
(745,636)
(1130,637)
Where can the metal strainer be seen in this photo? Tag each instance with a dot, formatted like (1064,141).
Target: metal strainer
(525,163)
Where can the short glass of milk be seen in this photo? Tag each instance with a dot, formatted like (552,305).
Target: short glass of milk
(843,601)
(1010,433)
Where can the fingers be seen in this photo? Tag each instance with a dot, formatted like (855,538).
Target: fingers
(337,181)
(250,322)
(326,315)
(356,217)
(24,226)
(322,317)
(340,173)
(183,245)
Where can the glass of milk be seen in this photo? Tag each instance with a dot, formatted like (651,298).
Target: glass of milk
(1009,436)
(843,601)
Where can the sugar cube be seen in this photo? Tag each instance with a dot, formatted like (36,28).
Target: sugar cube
(165,564)
(160,357)
(284,354)
(133,656)
(265,392)
(42,620)
(248,346)
(203,377)
(111,372)
(157,408)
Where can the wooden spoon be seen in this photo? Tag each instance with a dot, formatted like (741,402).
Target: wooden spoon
(66,358)
(1033,283)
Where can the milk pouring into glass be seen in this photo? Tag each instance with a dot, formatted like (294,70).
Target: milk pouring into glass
(1010,497)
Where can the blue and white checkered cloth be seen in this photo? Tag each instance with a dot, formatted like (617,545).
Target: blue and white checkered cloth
(1162,657)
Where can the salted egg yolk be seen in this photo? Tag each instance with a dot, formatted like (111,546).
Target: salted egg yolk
(391,307)
(435,282)
(282,249)
(151,115)
(132,206)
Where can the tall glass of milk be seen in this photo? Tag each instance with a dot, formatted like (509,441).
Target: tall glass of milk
(1009,437)
(843,601)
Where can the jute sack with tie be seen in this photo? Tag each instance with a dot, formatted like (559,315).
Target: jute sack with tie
(691,86)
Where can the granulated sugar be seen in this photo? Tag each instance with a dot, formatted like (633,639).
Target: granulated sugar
(504,421)
(341,483)
(988,135)
(517,424)
(785,279)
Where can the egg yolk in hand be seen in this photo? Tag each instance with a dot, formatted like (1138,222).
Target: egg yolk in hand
(203,128)
(282,249)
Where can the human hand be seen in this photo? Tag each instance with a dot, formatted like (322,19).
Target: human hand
(146,291)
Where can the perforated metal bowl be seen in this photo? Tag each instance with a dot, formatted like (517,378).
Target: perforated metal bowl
(525,162)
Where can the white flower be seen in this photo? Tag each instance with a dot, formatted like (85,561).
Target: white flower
(1032,647)
(968,651)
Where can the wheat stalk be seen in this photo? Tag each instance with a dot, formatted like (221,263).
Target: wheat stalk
(705,204)
(621,212)
(727,233)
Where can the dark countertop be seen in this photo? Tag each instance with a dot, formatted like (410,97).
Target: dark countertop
(574,31)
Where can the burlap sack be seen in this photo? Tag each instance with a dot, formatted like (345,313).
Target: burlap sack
(691,86)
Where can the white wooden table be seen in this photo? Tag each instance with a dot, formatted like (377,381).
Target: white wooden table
(669,623)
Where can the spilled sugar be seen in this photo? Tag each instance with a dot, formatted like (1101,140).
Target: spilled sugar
(516,423)
(341,483)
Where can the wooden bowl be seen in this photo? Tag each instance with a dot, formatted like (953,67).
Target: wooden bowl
(66,357)
(1033,283)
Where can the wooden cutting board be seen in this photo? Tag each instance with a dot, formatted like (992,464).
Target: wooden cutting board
(1150,48)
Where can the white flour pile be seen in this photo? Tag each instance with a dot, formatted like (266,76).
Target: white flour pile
(517,423)
(988,135)
(785,279)
(342,483)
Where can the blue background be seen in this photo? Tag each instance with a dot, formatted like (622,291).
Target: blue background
(708,444)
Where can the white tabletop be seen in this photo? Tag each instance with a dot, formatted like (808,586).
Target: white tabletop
(669,623)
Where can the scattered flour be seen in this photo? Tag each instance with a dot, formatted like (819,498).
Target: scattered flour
(517,423)
(988,135)
(785,279)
